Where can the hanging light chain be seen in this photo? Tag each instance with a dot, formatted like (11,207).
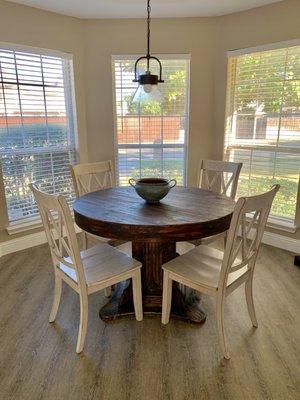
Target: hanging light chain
(147,78)
(148,32)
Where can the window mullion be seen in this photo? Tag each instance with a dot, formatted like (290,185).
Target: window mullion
(140,142)
(45,101)
(4,99)
(68,101)
(162,140)
(19,97)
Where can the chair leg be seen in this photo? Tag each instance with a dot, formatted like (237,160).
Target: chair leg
(249,300)
(107,291)
(56,298)
(221,327)
(84,310)
(84,241)
(167,298)
(225,239)
(137,295)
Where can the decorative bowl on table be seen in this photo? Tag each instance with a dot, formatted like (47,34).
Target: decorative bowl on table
(152,189)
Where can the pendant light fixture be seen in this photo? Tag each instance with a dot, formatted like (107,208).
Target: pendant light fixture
(147,90)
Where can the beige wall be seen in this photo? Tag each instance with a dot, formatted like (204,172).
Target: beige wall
(92,43)
(103,38)
(270,24)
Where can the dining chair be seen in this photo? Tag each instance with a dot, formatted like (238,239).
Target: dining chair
(221,177)
(88,271)
(90,177)
(218,273)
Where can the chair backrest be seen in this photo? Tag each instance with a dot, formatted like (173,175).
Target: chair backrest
(92,176)
(245,233)
(220,176)
(60,231)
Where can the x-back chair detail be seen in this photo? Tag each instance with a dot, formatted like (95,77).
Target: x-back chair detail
(88,271)
(220,177)
(217,273)
(90,177)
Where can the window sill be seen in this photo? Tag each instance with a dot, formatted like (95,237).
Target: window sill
(281,224)
(24,225)
(28,224)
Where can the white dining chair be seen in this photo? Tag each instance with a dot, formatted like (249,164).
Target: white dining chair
(218,273)
(88,271)
(88,178)
(220,177)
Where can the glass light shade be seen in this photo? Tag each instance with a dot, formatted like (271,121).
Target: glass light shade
(147,94)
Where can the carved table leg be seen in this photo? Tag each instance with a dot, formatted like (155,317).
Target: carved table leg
(153,255)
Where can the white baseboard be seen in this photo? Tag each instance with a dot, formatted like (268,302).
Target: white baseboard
(35,239)
(282,242)
(25,242)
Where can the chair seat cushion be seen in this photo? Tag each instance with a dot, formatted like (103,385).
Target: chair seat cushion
(202,265)
(100,263)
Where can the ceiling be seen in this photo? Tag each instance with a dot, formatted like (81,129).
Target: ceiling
(136,8)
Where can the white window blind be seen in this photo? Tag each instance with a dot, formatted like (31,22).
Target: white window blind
(263,124)
(151,138)
(37,131)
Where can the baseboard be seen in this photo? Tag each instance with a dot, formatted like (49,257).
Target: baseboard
(21,243)
(282,242)
(35,239)
(25,242)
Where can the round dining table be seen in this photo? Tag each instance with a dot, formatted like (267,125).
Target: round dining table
(185,214)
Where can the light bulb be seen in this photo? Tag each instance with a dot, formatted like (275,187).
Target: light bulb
(148,88)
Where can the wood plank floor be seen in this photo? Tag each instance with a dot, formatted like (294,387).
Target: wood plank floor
(144,360)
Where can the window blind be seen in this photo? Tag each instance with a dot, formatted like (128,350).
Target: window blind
(263,124)
(37,139)
(151,138)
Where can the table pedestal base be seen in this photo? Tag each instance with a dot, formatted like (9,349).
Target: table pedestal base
(152,255)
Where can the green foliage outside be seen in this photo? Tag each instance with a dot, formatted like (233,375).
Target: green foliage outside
(285,200)
(284,204)
(267,84)
(34,167)
(172,169)
(257,89)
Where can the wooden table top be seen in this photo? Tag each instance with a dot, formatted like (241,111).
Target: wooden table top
(184,214)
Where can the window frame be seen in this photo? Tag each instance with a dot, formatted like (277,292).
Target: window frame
(277,222)
(185,145)
(33,222)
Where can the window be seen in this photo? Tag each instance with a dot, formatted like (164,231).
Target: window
(37,127)
(152,138)
(263,123)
